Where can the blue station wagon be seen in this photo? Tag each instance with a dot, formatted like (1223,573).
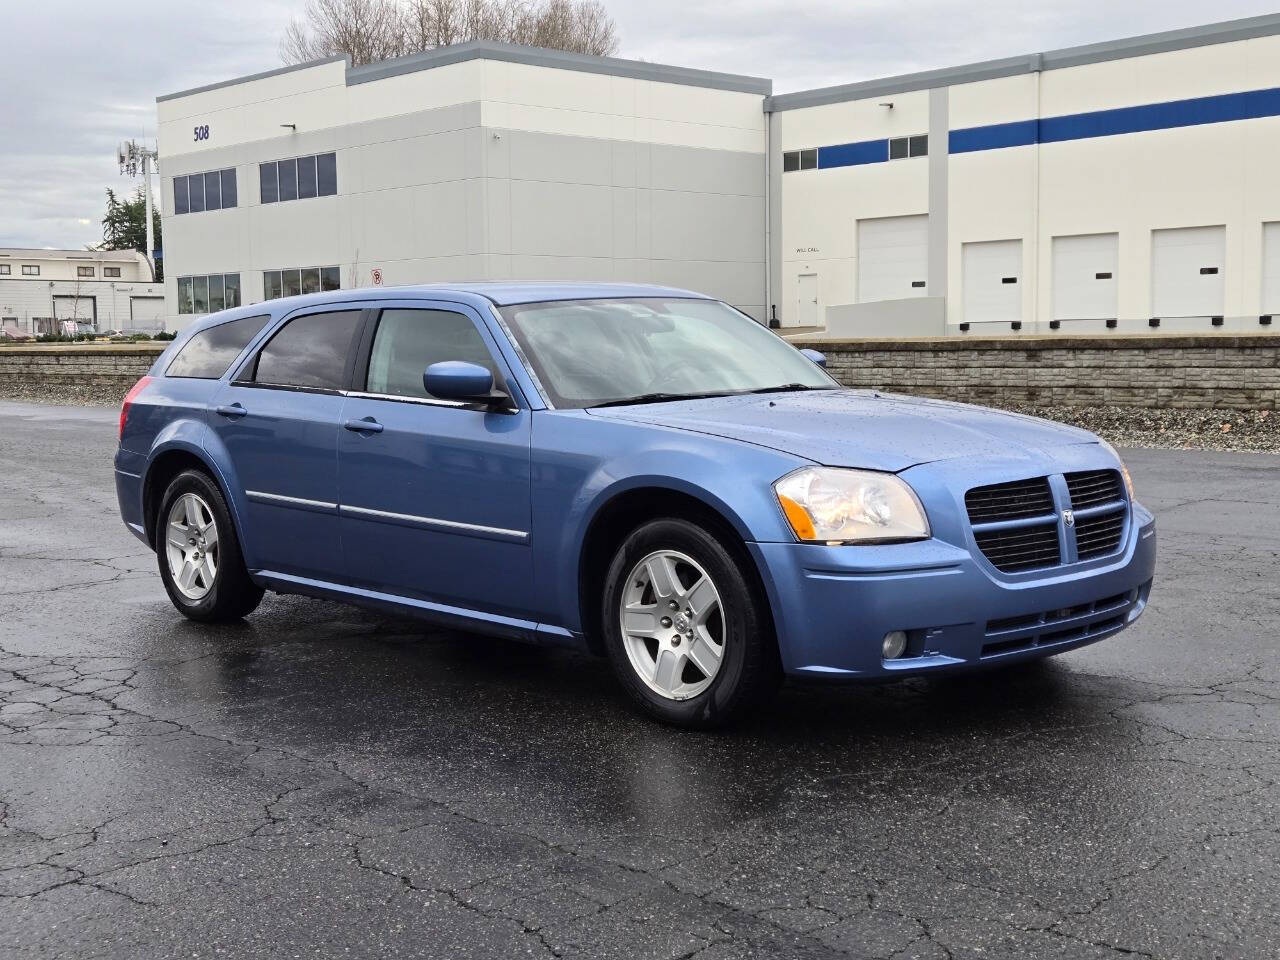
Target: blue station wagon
(635,471)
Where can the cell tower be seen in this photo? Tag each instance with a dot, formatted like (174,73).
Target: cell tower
(134,157)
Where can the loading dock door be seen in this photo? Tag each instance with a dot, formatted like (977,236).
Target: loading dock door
(1187,267)
(807,300)
(1084,276)
(992,281)
(146,313)
(893,258)
(82,309)
(1271,268)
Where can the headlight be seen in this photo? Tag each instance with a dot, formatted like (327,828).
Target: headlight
(1124,471)
(826,505)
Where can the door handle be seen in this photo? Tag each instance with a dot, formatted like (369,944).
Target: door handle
(234,410)
(367,425)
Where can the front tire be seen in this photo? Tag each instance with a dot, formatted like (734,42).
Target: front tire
(199,554)
(689,638)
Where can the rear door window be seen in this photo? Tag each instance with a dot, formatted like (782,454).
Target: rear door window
(208,354)
(310,351)
(408,341)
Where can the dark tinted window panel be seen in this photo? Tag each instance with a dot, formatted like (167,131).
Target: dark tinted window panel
(267,186)
(181,203)
(200,294)
(330,278)
(918,146)
(271,286)
(213,191)
(310,351)
(306,177)
(292,280)
(209,353)
(232,282)
(311,280)
(808,159)
(791,161)
(898,148)
(288,179)
(216,300)
(409,341)
(196,182)
(185,304)
(327,174)
(229,197)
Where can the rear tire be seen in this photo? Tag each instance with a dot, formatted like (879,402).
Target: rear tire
(689,638)
(199,553)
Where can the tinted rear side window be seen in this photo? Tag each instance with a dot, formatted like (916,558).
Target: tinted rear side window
(208,354)
(309,351)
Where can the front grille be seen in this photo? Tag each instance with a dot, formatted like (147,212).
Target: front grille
(1020,548)
(1093,487)
(1099,535)
(1009,501)
(1069,624)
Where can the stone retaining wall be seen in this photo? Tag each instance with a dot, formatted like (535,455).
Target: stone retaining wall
(1204,371)
(24,370)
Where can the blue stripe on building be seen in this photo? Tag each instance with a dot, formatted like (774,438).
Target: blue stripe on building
(1223,108)
(853,154)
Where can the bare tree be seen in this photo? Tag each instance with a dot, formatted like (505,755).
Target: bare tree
(369,30)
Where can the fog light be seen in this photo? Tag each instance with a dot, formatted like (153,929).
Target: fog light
(895,644)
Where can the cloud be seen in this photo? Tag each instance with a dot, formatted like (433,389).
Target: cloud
(84,76)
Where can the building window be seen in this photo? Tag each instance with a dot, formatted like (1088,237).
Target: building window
(298,178)
(111,272)
(800,160)
(900,148)
(84,271)
(290,283)
(4,269)
(208,294)
(215,190)
(30,270)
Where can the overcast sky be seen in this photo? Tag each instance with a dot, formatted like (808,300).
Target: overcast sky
(80,75)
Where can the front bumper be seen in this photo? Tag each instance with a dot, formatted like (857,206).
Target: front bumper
(832,606)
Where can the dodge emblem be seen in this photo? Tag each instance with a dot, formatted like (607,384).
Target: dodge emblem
(1068,518)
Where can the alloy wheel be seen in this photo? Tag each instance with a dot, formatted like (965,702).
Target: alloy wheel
(672,624)
(191,545)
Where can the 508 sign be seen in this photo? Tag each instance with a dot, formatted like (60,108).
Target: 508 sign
(202,132)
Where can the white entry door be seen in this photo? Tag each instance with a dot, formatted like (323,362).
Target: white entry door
(992,281)
(1084,276)
(1187,267)
(1271,268)
(807,312)
(893,258)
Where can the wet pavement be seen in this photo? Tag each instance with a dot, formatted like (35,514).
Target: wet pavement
(322,781)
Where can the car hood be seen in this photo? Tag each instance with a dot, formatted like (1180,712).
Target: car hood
(859,428)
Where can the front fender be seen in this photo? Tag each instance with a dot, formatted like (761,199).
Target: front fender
(585,463)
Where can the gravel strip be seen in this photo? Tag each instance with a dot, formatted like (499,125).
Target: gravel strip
(1252,430)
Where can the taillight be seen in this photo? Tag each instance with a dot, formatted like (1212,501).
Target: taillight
(136,389)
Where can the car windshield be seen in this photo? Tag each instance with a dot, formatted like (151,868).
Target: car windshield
(589,353)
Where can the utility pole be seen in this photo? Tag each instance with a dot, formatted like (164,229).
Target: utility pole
(133,157)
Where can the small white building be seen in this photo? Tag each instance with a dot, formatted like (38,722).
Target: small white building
(107,289)
(1118,187)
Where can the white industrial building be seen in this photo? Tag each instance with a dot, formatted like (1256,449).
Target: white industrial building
(1118,187)
(107,289)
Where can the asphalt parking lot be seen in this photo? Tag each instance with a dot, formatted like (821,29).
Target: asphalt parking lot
(322,781)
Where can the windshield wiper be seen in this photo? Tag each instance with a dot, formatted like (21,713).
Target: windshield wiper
(658,398)
(788,388)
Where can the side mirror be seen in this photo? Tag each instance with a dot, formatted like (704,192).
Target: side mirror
(459,380)
(819,358)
